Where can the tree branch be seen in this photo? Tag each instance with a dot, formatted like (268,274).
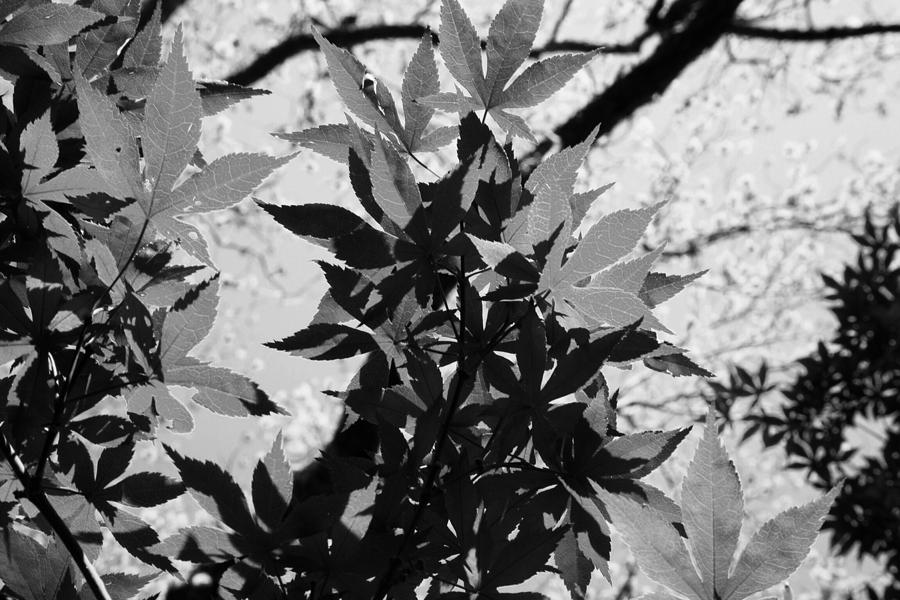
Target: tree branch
(693,247)
(167,7)
(681,46)
(747,29)
(35,493)
(344,37)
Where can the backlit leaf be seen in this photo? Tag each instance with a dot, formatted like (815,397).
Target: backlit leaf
(778,548)
(109,142)
(420,79)
(347,74)
(543,79)
(712,506)
(659,550)
(461,49)
(509,42)
(44,24)
(171,125)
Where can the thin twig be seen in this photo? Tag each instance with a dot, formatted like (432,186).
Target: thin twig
(559,20)
(36,495)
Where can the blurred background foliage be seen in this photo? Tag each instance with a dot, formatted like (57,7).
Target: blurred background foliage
(769,126)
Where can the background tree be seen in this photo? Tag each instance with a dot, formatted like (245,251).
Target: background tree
(838,417)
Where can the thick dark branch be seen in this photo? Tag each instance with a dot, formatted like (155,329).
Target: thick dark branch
(167,7)
(266,62)
(680,47)
(826,34)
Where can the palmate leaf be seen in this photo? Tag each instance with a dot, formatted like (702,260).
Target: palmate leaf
(574,567)
(125,585)
(591,286)
(220,390)
(331,141)
(543,79)
(171,131)
(510,39)
(109,143)
(145,49)
(273,484)
(712,510)
(659,287)
(607,241)
(215,491)
(45,24)
(33,571)
(461,49)
(330,527)
(635,455)
(375,106)
(509,42)
(171,126)
(104,488)
(712,506)
(420,79)
(41,151)
(97,48)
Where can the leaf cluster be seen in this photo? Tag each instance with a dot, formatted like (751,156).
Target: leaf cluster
(106,288)
(854,375)
(484,307)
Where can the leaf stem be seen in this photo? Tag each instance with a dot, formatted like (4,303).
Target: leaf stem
(62,397)
(51,430)
(443,433)
(36,495)
(421,164)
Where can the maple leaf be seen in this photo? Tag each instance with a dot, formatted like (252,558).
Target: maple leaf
(369,98)
(592,285)
(712,508)
(33,571)
(272,486)
(510,39)
(218,389)
(53,317)
(145,48)
(328,527)
(416,221)
(45,24)
(40,152)
(97,48)
(104,487)
(169,137)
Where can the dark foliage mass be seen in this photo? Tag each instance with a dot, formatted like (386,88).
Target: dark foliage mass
(484,308)
(854,375)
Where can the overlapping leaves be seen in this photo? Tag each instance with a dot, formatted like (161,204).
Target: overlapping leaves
(169,137)
(255,548)
(509,42)
(712,509)
(101,304)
